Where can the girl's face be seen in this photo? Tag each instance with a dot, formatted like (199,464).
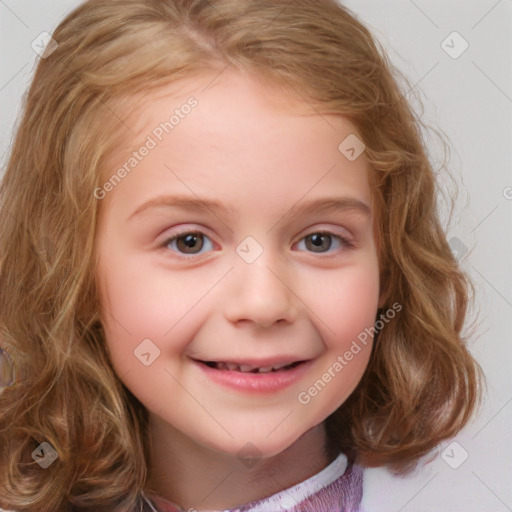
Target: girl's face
(210,250)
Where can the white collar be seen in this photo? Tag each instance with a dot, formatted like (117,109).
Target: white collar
(287,499)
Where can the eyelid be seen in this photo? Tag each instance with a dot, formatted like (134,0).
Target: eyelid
(177,232)
(346,240)
(346,234)
(340,231)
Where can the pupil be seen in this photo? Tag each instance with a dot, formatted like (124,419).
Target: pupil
(189,241)
(318,239)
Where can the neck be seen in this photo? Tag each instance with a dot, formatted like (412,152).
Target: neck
(195,477)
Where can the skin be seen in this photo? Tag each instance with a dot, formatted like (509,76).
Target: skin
(258,151)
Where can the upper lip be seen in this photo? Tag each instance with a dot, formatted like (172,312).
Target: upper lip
(259,363)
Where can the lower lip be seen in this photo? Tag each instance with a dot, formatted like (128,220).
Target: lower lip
(256,382)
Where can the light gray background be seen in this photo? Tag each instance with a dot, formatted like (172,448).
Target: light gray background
(470,99)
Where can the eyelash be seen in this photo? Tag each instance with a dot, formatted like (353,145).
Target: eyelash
(348,244)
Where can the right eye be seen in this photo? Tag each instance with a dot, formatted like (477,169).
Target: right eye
(187,242)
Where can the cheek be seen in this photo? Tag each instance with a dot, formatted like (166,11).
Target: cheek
(347,304)
(137,306)
(143,302)
(347,308)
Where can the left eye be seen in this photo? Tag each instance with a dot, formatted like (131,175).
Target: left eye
(322,241)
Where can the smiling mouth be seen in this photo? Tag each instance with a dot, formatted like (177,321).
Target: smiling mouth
(243,368)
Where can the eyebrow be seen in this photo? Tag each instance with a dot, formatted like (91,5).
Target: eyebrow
(316,206)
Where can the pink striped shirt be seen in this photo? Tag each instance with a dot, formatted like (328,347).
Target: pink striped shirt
(336,488)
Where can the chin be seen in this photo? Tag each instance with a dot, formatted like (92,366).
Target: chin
(261,445)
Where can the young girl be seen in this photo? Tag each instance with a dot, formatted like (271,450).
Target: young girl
(225,285)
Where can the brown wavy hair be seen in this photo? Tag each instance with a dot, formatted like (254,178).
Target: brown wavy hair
(421,385)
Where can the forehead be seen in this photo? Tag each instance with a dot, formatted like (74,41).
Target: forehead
(240,131)
(226,99)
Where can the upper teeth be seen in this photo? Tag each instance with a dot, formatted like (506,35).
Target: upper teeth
(249,368)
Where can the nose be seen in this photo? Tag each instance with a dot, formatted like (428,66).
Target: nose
(261,293)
